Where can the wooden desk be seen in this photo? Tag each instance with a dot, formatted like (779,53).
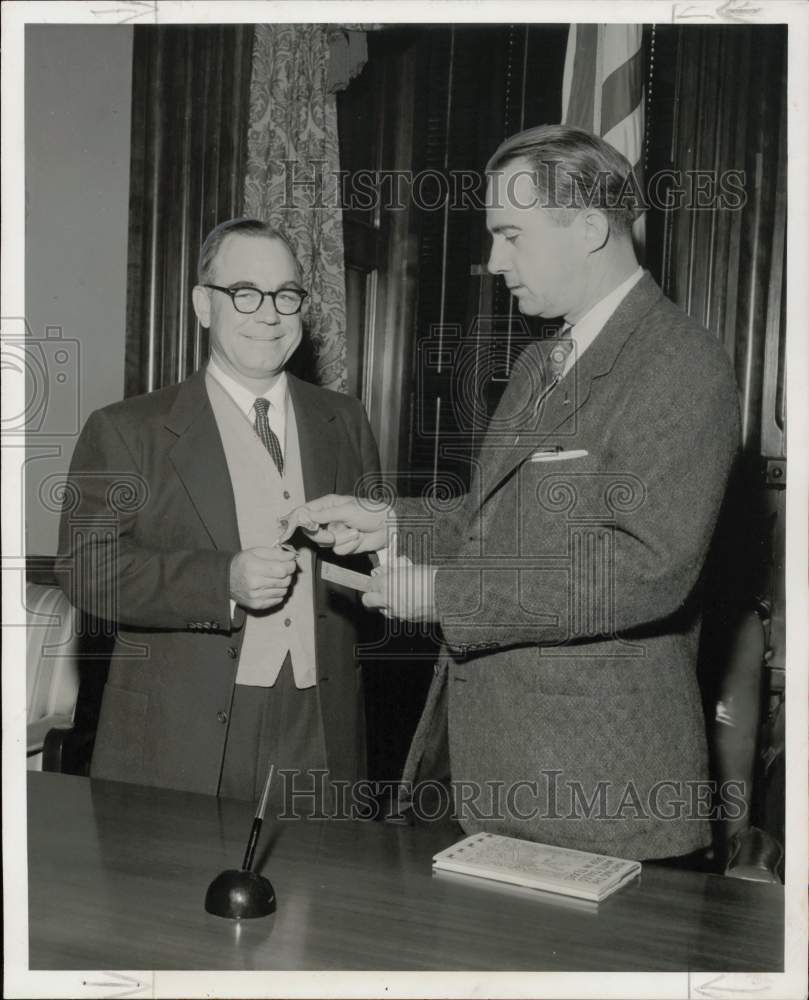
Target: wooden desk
(118,874)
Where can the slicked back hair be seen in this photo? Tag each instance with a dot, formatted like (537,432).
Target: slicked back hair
(572,169)
(236,227)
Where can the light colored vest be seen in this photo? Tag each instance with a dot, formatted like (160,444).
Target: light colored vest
(262,496)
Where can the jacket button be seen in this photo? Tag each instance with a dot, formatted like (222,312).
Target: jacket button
(232,652)
(222,717)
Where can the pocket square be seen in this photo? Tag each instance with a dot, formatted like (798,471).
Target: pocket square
(558,456)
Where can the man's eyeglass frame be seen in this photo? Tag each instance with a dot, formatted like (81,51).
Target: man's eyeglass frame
(233,292)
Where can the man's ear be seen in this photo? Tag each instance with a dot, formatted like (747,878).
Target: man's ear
(596,229)
(202,305)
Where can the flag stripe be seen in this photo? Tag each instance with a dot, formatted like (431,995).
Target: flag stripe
(580,103)
(621,41)
(621,93)
(599,79)
(602,90)
(627,135)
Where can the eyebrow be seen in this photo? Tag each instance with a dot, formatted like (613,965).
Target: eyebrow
(291,285)
(503,226)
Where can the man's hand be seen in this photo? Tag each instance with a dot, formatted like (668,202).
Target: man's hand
(406,592)
(346,524)
(260,577)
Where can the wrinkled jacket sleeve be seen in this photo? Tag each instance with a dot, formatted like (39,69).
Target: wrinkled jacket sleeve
(677,458)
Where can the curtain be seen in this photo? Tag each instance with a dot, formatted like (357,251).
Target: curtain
(292,177)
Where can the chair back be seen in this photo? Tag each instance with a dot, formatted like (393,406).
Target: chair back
(52,669)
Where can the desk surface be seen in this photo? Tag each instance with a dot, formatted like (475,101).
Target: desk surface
(118,874)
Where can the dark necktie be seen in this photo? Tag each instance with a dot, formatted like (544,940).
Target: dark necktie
(559,353)
(266,433)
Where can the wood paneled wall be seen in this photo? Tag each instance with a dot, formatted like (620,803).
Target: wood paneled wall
(191,88)
(719,110)
(724,262)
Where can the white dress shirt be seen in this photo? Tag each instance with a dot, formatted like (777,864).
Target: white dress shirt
(276,396)
(593,322)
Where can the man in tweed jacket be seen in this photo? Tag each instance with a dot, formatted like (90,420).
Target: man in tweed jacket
(566,583)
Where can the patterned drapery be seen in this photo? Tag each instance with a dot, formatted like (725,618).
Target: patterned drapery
(292,177)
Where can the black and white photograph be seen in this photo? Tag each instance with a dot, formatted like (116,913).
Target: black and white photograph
(404,442)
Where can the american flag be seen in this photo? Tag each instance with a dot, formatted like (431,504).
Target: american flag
(602,88)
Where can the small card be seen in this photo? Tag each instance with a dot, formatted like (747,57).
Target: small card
(345,577)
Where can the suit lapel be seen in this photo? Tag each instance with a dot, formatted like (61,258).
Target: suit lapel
(317,439)
(199,460)
(566,398)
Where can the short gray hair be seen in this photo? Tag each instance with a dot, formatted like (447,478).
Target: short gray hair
(237,227)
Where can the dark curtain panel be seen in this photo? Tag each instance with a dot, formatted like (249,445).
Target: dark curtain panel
(191,89)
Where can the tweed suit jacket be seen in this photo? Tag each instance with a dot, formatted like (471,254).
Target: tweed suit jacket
(568,593)
(146,541)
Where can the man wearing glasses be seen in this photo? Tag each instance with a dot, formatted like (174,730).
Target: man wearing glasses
(232,652)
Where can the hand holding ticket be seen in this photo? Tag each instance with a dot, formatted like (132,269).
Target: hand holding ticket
(403,590)
(344,523)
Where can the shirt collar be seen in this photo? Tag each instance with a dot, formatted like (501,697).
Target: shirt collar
(593,322)
(244,398)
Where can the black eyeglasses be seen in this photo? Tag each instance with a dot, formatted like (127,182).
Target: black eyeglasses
(287,301)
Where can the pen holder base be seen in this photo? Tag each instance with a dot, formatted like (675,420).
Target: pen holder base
(240,894)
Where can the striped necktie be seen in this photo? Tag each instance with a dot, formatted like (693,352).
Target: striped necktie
(266,433)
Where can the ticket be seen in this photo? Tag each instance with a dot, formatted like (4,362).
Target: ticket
(345,577)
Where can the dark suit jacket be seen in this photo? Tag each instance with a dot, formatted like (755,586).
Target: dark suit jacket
(568,593)
(147,535)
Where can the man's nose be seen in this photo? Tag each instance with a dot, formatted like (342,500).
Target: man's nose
(496,263)
(267,313)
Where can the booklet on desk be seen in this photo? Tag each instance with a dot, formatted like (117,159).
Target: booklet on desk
(537,866)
